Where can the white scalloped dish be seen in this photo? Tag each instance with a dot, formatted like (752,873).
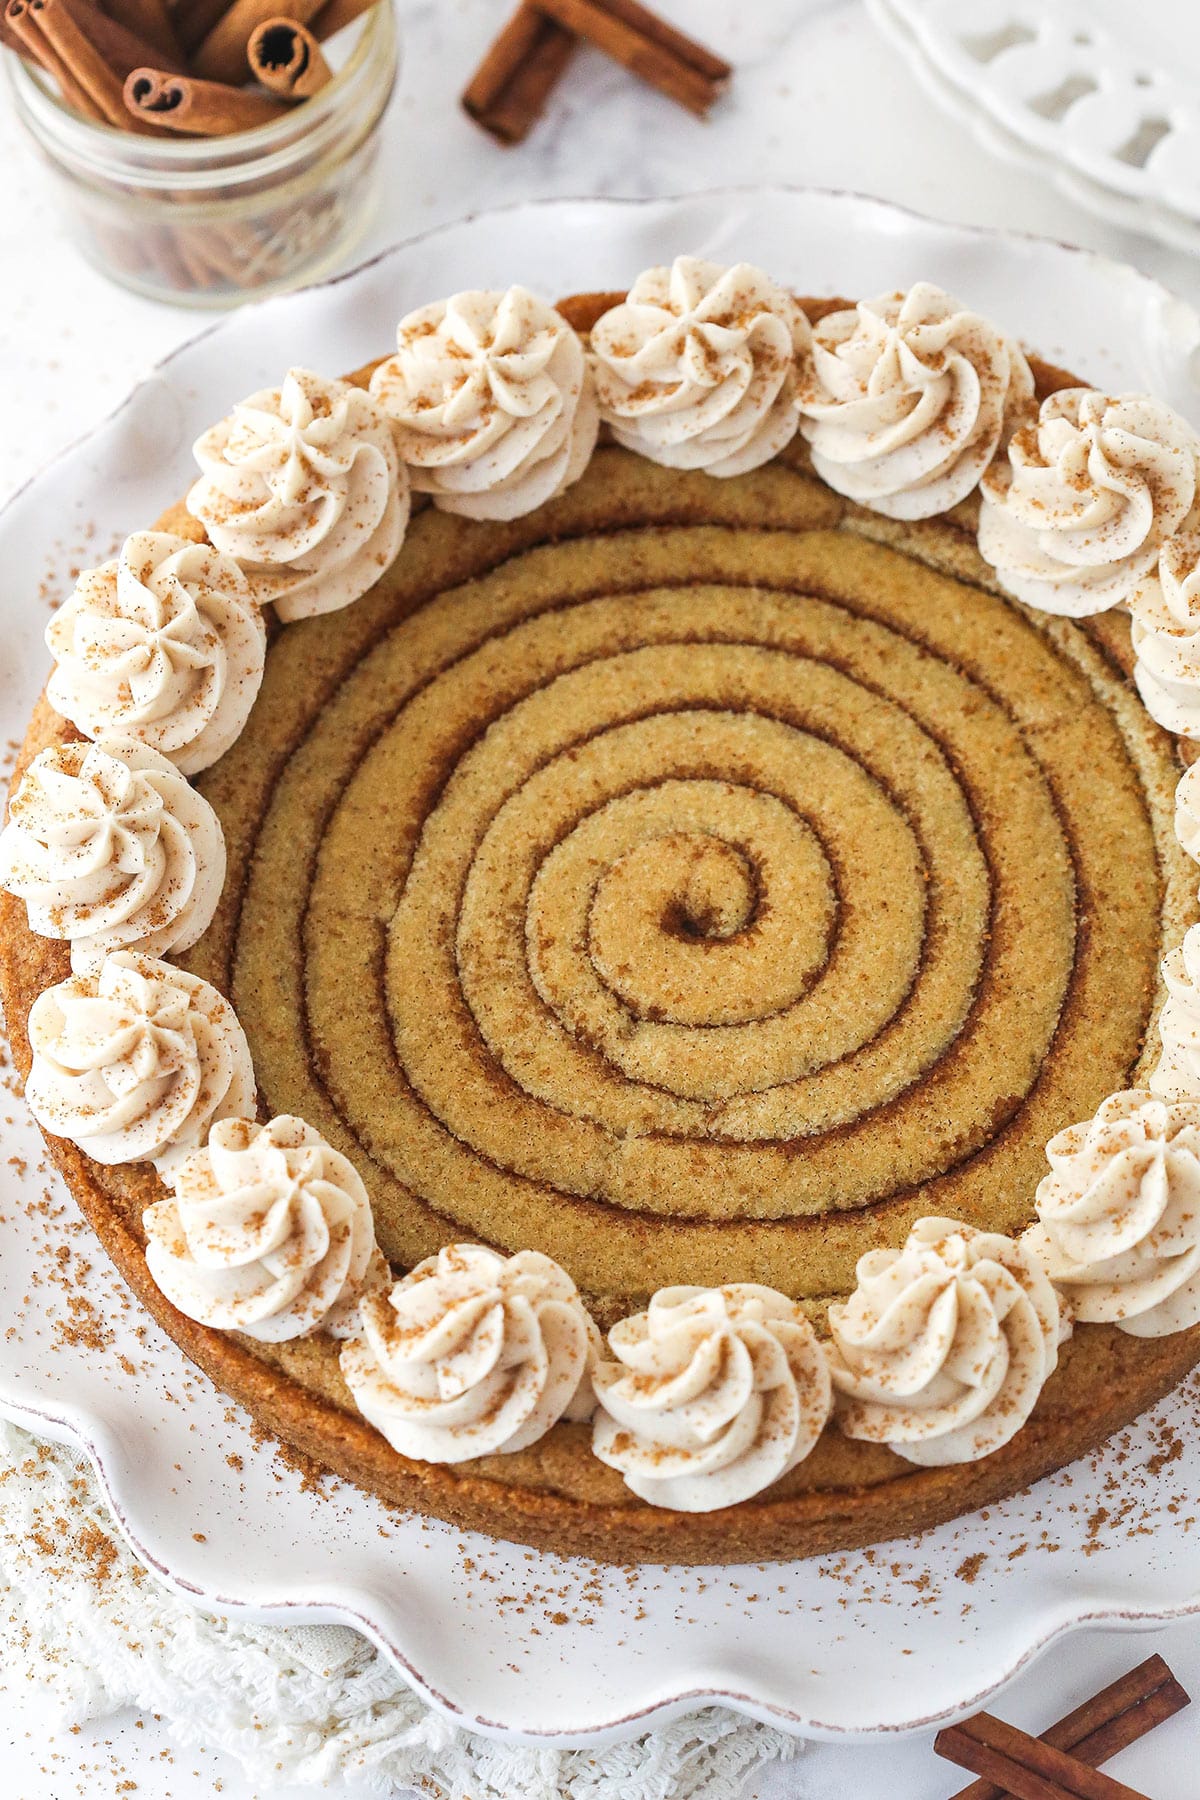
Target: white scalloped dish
(556,1648)
(1102,106)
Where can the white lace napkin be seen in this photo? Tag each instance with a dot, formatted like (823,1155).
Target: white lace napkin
(301,1704)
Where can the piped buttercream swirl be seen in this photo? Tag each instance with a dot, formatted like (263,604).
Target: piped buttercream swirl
(1119,1215)
(1075,516)
(134,1062)
(1177,1073)
(1166,635)
(268,1231)
(697,367)
(471,1354)
(492,402)
(1187,812)
(908,400)
(710,1396)
(164,645)
(304,485)
(944,1346)
(110,848)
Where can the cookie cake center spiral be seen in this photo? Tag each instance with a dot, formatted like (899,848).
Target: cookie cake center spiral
(680,884)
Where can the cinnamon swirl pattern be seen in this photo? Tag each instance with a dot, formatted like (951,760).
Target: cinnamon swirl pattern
(692,901)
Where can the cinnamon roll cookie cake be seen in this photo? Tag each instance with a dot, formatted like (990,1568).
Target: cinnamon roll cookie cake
(603,918)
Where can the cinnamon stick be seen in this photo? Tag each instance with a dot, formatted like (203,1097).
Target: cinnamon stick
(508,92)
(286,59)
(1025,1766)
(204,108)
(34,44)
(80,58)
(639,18)
(335,15)
(648,47)
(194,19)
(1110,1721)
(222,55)
(150,21)
(121,48)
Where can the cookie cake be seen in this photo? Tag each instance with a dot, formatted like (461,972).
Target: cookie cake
(602,920)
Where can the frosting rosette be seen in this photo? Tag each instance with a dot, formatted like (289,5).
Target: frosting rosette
(697,367)
(268,1231)
(492,402)
(945,1345)
(1166,635)
(134,1062)
(1119,1215)
(471,1354)
(164,645)
(713,1394)
(1177,1073)
(1076,515)
(908,399)
(110,848)
(303,484)
(1187,811)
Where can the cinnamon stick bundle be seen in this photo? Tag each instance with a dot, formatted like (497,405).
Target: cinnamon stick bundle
(81,68)
(204,108)
(1027,1767)
(509,90)
(648,47)
(222,55)
(24,27)
(286,59)
(1108,1722)
(124,64)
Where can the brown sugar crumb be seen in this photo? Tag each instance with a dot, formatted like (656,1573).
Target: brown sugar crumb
(1171,1450)
(98,1549)
(84,1325)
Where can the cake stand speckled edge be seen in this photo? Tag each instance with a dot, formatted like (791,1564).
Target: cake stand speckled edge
(503,1639)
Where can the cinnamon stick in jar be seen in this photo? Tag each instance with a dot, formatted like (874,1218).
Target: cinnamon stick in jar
(121,48)
(286,59)
(150,21)
(194,19)
(184,103)
(34,44)
(77,55)
(335,15)
(222,55)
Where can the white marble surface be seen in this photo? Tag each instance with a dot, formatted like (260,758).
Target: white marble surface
(818,99)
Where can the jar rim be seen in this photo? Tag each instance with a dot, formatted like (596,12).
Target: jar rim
(104,151)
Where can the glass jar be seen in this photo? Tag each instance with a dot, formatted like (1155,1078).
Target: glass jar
(214,221)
